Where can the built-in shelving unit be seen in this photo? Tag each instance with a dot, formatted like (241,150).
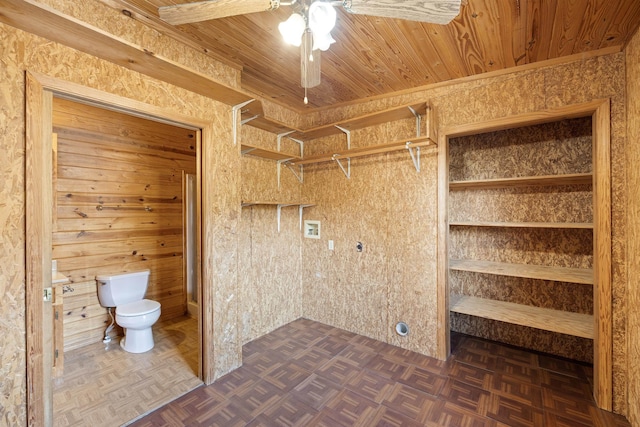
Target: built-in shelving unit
(525,225)
(563,322)
(525,234)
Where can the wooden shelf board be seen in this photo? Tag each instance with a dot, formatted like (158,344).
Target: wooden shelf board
(422,141)
(571,225)
(528,181)
(575,324)
(254,203)
(542,272)
(392,114)
(263,153)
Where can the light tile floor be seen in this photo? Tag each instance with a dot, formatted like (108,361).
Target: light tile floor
(106,386)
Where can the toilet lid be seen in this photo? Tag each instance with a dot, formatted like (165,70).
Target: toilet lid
(138,308)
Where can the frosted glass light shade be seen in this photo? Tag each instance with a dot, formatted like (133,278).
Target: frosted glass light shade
(322,42)
(322,18)
(292,29)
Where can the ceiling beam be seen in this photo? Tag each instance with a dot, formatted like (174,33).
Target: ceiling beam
(44,21)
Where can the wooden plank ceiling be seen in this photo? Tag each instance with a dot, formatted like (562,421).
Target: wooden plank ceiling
(377,56)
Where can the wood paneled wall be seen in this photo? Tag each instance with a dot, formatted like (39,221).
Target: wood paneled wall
(118,208)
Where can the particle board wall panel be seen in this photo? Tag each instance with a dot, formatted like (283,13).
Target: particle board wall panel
(272,275)
(389,280)
(633,232)
(12,225)
(561,248)
(269,261)
(560,148)
(571,204)
(135,31)
(410,255)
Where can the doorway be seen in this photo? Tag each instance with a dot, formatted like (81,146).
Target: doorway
(41,91)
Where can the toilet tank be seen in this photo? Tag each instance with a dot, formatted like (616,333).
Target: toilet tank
(118,289)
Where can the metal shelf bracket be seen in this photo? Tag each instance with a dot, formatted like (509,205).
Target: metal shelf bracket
(279,210)
(235,110)
(301,207)
(299,176)
(346,171)
(414,152)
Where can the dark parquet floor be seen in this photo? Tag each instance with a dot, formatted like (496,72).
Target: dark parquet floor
(310,374)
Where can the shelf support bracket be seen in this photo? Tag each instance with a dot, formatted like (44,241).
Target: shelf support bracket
(279,211)
(348,133)
(418,121)
(301,210)
(235,110)
(280,162)
(346,171)
(247,120)
(279,142)
(415,155)
(299,175)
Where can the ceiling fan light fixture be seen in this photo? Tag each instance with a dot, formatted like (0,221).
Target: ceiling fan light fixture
(292,29)
(322,41)
(322,18)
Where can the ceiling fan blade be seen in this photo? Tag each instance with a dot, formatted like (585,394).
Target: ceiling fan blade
(432,11)
(187,13)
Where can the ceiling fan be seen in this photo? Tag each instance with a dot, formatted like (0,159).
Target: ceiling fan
(432,11)
(312,20)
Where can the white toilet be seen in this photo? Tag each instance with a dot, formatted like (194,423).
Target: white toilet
(135,314)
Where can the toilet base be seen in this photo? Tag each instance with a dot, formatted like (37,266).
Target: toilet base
(137,340)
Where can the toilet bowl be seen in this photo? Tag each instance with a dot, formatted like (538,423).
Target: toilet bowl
(136,318)
(135,314)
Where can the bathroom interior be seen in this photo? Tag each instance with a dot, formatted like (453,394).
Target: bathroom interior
(125,205)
